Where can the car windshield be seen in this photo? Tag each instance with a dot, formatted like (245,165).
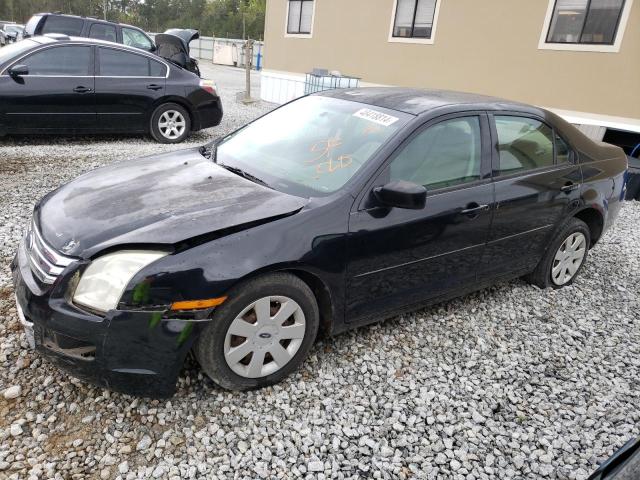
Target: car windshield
(310,147)
(14,28)
(15,49)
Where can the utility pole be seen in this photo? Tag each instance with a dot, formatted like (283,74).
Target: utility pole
(104,8)
(248,57)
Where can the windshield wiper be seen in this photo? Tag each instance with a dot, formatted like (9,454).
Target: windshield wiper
(247,175)
(209,151)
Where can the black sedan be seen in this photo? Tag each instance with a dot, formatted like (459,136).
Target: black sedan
(333,211)
(60,84)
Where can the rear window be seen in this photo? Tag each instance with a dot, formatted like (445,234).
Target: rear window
(66,25)
(118,63)
(157,69)
(524,144)
(135,38)
(103,31)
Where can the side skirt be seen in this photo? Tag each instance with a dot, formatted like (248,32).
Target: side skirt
(386,314)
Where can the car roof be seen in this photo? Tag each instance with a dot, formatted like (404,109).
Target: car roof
(93,19)
(417,101)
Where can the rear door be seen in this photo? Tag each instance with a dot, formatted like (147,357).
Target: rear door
(127,86)
(536,184)
(56,95)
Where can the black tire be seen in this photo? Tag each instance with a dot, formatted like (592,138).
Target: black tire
(542,276)
(155,127)
(209,348)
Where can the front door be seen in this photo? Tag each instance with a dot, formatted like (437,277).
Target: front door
(127,87)
(536,184)
(400,257)
(56,95)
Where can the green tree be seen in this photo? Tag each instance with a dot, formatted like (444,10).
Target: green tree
(222,18)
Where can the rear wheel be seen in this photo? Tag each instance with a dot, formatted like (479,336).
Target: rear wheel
(564,258)
(261,334)
(170,123)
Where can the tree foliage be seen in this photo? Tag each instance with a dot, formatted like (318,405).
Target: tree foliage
(222,18)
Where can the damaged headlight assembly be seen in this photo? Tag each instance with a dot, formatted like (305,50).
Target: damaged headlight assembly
(103,282)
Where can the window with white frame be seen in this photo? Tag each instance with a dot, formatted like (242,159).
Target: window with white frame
(585,22)
(300,17)
(414,19)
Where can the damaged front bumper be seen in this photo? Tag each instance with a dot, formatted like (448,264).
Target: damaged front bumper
(135,352)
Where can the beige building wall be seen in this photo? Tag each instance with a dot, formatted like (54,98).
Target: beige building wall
(482,46)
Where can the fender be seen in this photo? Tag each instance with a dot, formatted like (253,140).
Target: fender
(212,268)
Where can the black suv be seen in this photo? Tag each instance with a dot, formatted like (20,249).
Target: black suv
(172,45)
(72,25)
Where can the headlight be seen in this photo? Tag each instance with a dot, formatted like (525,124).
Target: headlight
(104,281)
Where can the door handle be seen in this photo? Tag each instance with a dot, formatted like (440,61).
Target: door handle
(569,186)
(82,89)
(154,86)
(474,209)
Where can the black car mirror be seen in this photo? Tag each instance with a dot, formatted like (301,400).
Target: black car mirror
(19,70)
(401,194)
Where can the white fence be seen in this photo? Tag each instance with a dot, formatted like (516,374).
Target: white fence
(225,51)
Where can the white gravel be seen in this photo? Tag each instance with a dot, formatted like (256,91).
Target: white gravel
(511,382)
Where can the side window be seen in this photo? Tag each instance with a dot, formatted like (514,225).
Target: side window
(116,63)
(563,152)
(135,38)
(102,31)
(523,143)
(66,25)
(157,69)
(72,61)
(444,155)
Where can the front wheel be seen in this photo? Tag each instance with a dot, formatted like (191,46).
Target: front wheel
(565,256)
(261,334)
(170,123)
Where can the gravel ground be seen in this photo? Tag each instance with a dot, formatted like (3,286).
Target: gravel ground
(511,382)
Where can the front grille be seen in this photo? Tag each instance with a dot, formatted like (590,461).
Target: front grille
(46,264)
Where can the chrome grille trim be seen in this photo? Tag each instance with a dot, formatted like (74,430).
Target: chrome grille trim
(46,264)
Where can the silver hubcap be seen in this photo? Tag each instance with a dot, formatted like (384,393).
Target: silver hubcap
(568,258)
(171,124)
(264,337)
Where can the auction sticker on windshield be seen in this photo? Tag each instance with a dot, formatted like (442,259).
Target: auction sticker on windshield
(376,117)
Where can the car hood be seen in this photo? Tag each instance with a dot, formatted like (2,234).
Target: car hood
(164,199)
(174,44)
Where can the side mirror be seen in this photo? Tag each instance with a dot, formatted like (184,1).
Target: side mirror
(19,70)
(153,48)
(401,194)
